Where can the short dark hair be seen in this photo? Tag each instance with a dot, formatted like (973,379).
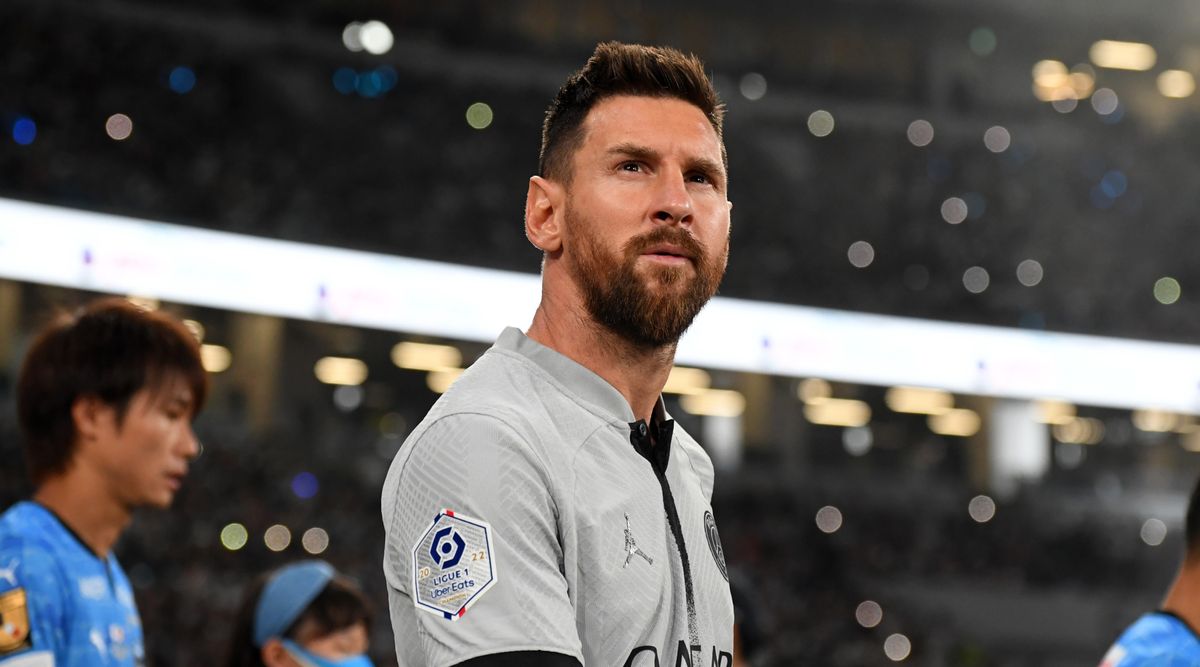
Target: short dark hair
(109,349)
(341,604)
(622,69)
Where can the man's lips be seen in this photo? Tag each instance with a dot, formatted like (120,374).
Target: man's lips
(667,253)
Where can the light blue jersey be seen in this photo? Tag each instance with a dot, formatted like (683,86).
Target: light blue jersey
(60,604)
(1158,639)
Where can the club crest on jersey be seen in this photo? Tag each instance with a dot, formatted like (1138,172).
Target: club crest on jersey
(714,543)
(452,565)
(14,621)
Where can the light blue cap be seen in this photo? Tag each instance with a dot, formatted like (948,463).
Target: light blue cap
(287,594)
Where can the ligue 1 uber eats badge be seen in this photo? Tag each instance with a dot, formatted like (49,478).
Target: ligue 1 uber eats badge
(452,565)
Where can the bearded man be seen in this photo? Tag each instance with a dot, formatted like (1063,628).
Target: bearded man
(547,511)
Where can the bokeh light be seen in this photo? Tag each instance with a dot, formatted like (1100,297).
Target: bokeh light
(277,537)
(897,647)
(234,536)
(393,425)
(1069,455)
(1154,531)
(305,485)
(997,139)
(1167,290)
(868,614)
(820,123)
(1123,55)
(1029,272)
(24,131)
(982,41)
(1176,83)
(1065,105)
(215,358)
(369,84)
(351,36)
(976,279)
(345,80)
(119,126)
(388,77)
(1105,101)
(347,398)
(857,440)
(479,115)
(954,210)
(182,80)
(753,86)
(315,541)
(340,370)
(829,519)
(376,38)
(982,509)
(920,133)
(1114,183)
(861,254)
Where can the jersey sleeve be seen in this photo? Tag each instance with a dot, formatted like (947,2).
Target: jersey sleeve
(472,554)
(32,604)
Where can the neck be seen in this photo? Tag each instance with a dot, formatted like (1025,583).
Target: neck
(1183,598)
(638,373)
(96,517)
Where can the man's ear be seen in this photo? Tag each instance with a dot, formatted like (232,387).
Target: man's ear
(543,214)
(88,413)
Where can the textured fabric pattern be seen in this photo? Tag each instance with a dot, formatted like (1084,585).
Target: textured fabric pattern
(80,607)
(539,447)
(1155,640)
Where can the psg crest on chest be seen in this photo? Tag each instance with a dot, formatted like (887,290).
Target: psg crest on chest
(714,543)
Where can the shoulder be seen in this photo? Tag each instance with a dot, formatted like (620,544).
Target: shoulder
(28,555)
(29,560)
(1154,639)
(502,402)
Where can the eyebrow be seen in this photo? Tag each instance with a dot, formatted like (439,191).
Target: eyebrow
(702,164)
(183,399)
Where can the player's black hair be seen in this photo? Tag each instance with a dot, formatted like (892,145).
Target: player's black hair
(622,69)
(340,605)
(109,349)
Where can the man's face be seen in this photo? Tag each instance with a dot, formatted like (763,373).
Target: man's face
(646,233)
(145,457)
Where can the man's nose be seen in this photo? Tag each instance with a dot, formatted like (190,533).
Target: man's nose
(674,205)
(191,444)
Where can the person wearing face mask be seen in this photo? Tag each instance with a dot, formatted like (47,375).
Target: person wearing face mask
(302,615)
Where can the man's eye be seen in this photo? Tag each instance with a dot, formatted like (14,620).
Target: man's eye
(631,166)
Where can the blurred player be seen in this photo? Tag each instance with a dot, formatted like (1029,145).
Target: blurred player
(1167,637)
(302,615)
(105,401)
(547,511)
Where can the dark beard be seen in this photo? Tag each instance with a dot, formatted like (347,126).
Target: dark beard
(623,300)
